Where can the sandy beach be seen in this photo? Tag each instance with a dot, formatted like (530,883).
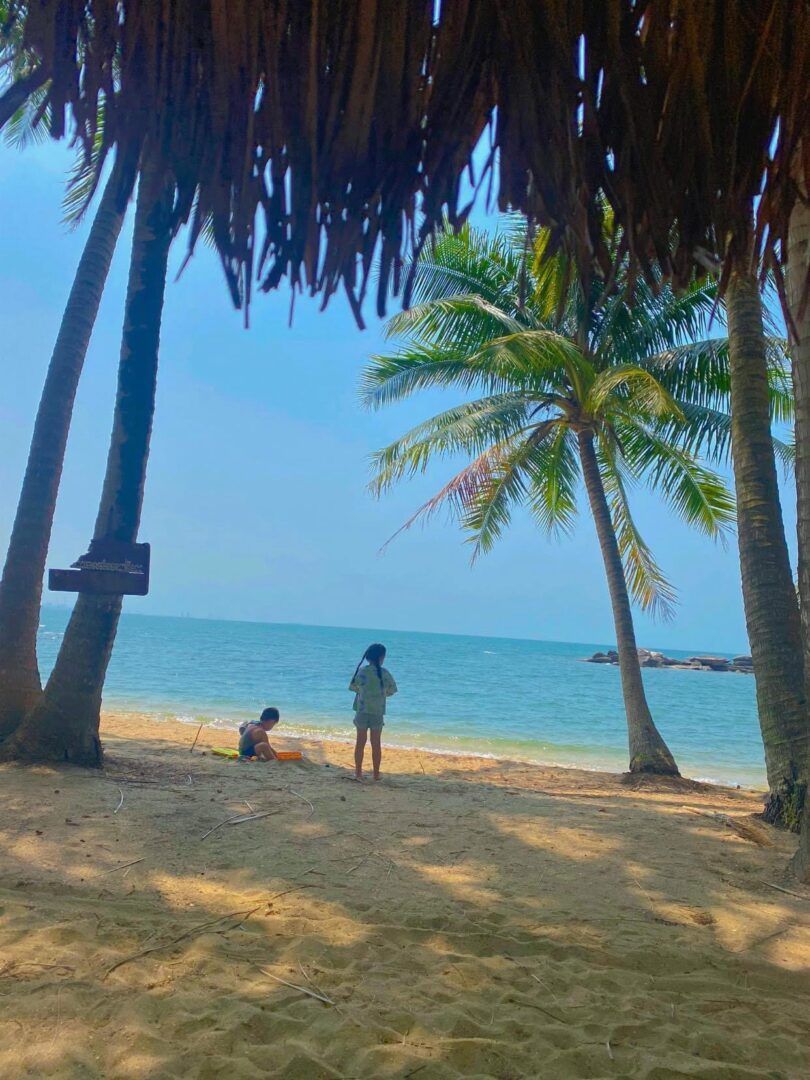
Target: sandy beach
(464,917)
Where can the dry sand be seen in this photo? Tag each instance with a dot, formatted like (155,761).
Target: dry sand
(465,918)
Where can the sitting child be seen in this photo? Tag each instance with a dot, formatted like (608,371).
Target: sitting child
(253,742)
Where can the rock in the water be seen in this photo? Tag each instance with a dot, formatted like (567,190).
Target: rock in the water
(713,663)
(648,658)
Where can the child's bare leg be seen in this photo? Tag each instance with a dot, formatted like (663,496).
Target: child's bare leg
(359,752)
(376,751)
(263,751)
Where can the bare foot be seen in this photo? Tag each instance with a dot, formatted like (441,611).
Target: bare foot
(377,776)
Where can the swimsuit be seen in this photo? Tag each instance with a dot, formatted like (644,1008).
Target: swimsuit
(247,749)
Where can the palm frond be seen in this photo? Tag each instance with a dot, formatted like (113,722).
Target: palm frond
(697,372)
(633,384)
(540,356)
(459,494)
(554,478)
(388,379)
(706,433)
(83,178)
(468,260)
(701,431)
(469,321)
(628,330)
(697,494)
(467,428)
(29,126)
(645,579)
(502,486)
(531,359)
(555,283)
(780,381)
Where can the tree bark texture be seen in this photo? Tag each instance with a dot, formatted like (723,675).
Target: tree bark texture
(769,594)
(798,297)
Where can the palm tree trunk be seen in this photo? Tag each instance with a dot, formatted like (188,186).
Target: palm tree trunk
(769,595)
(21,585)
(64,725)
(798,297)
(648,751)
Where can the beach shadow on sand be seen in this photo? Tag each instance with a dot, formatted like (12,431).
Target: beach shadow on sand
(461,918)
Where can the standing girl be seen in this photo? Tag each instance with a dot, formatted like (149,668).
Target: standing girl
(372,685)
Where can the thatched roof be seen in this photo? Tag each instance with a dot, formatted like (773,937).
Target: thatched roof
(336,122)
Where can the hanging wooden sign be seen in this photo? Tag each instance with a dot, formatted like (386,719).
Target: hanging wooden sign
(110,568)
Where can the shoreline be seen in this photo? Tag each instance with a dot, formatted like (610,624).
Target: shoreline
(561,712)
(288,732)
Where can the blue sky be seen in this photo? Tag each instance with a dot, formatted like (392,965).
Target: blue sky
(256,505)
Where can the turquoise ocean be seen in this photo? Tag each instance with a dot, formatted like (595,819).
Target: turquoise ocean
(524,700)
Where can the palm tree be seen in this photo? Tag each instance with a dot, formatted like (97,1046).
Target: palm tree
(749,373)
(21,584)
(570,392)
(63,725)
(798,302)
(769,592)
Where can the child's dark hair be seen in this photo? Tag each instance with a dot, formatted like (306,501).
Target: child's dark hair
(375,654)
(269,714)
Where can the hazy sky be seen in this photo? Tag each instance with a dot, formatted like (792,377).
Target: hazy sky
(256,505)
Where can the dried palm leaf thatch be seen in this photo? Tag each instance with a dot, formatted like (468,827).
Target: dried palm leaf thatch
(682,112)
(345,127)
(314,117)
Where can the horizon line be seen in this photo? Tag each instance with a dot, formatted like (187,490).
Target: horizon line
(395,630)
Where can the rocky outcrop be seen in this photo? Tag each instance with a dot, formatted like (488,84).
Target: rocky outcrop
(648,659)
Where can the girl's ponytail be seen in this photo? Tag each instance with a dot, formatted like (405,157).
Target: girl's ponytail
(375,654)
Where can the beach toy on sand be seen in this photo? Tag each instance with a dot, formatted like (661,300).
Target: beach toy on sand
(232,755)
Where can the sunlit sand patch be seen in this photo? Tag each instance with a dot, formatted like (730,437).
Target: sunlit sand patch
(580,844)
(280,902)
(308,830)
(766,930)
(466,881)
(216,890)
